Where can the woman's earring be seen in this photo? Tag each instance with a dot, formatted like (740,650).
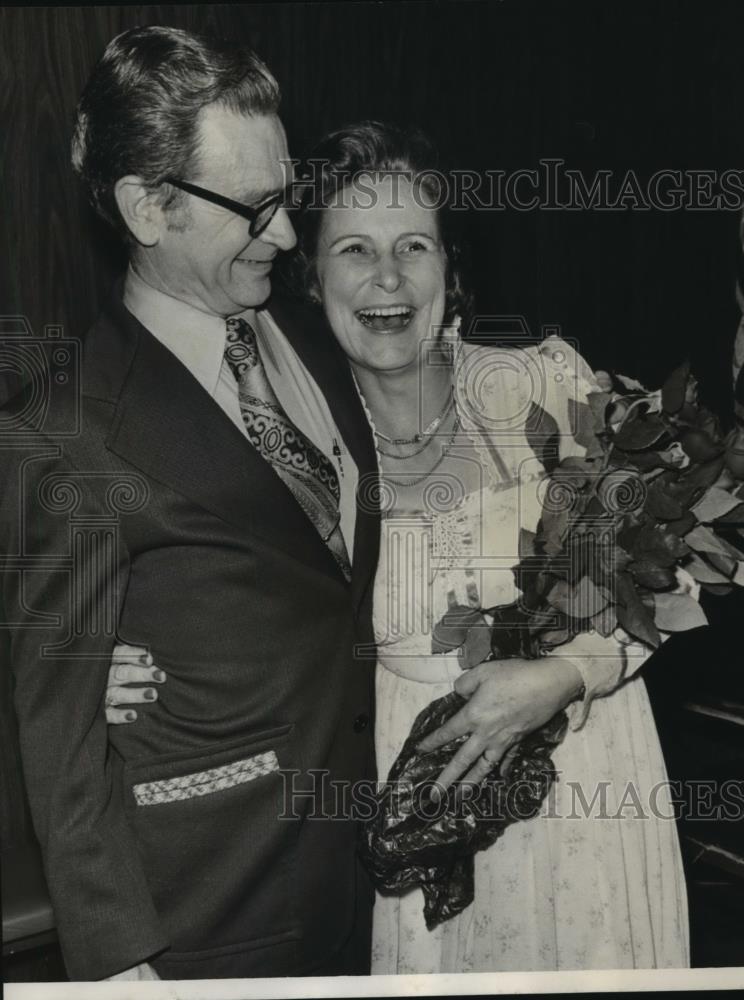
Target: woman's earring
(450,338)
(312,287)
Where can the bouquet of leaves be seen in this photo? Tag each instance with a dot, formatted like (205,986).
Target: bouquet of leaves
(629,534)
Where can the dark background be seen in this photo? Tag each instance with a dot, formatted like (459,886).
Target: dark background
(500,85)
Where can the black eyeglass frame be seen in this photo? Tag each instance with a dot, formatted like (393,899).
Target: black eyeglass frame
(250,212)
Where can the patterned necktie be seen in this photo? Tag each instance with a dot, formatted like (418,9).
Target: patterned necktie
(304,469)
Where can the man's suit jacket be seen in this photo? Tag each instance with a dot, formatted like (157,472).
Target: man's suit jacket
(176,834)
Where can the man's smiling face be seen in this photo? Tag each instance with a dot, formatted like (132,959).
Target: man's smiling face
(207,256)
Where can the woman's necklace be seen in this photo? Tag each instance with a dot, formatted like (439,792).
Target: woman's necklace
(419,479)
(427,431)
(409,454)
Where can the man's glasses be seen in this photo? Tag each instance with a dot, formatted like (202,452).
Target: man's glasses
(259,216)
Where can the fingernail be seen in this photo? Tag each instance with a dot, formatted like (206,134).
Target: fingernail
(159,675)
(145,658)
(149,694)
(131,716)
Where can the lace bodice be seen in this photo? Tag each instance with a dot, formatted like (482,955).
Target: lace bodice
(435,558)
(460,547)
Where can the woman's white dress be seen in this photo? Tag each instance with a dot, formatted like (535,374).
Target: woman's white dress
(595,881)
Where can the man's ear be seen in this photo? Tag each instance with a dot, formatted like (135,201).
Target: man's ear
(141,209)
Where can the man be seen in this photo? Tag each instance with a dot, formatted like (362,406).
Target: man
(174,848)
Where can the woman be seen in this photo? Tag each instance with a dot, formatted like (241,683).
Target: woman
(594,881)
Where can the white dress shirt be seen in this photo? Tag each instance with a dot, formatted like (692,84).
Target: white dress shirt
(198,338)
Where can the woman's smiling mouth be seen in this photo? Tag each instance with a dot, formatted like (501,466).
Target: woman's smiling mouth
(386,318)
(254,262)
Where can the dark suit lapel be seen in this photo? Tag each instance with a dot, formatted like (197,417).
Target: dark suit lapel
(167,426)
(311,338)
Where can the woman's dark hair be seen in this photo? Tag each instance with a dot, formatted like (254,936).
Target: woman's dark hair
(138,113)
(374,148)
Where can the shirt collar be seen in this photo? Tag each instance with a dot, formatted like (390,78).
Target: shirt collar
(196,338)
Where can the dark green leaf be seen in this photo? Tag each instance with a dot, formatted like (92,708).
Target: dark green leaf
(606,621)
(554,525)
(629,534)
(699,445)
(542,618)
(451,630)
(661,504)
(583,424)
(588,599)
(644,461)
(703,572)
(598,404)
(543,436)
(686,494)
(708,423)
(739,387)
(704,474)
(646,599)
(613,559)
(703,539)
(725,564)
(584,554)
(719,589)
(659,546)
(560,597)
(526,543)
(683,525)
(578,470)
(510,633)
(594,508)
(673,390)
(640,433)
(688,414)
(477,646)
(633,386)
(734,546)
(556,637)
(678,612)
(633,616)
(648,574)
(532,580)
(714,504)
(621,491)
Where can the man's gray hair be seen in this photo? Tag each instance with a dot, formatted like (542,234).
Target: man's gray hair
(139,111)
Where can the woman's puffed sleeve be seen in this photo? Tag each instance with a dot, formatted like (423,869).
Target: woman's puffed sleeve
(565,384)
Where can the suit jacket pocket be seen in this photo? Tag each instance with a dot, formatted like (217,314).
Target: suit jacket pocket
(198,783)
(218,858)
